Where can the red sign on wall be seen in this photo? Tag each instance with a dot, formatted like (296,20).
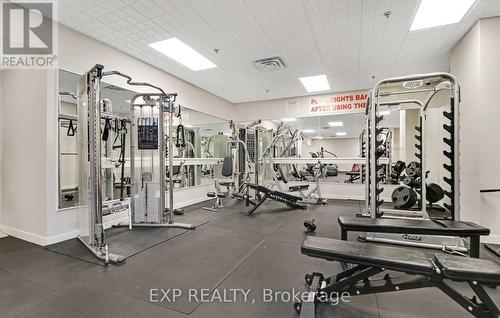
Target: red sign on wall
(343,103)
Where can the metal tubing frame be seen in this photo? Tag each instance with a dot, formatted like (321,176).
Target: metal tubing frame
(360,280)
(161,98)
(97,241)
(455,94)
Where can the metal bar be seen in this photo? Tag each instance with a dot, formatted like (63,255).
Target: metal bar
(485,298)
(130,82)
(489,190)
(161,162)
(68,117)
(114,116)
(95,204)
(373,154)
(331,160)
(460,299)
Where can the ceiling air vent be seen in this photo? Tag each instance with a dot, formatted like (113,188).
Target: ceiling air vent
(270,64)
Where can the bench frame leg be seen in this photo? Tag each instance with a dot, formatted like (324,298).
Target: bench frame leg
(475,245)
(359,280)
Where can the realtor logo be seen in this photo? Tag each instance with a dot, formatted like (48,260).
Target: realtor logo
(28,35)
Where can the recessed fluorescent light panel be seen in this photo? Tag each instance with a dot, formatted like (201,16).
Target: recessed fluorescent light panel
(433,13)
(336,124)
(287,120)
(340,134)
(182,53)
(308,131)
(315,83)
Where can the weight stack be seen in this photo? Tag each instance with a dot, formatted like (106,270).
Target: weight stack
(378,166)
(418,146)
(450,144)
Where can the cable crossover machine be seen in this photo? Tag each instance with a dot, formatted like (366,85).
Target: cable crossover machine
(147,200)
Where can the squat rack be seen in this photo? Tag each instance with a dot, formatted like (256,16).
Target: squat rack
(447,82)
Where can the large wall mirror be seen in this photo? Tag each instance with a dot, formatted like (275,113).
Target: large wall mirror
(205,134)
(340,136)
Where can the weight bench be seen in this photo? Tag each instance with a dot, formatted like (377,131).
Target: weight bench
(424,271)
(417,227)
(264,193)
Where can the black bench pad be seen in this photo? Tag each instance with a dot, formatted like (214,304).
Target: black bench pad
(298,187)
(267,191)
(468,269)
(410,226)
(395,258)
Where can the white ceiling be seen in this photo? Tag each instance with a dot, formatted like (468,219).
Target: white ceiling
(348,40)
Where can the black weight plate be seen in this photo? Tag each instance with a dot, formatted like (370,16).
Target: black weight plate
(404,197)
(413,169)
(399,166)
(434,193)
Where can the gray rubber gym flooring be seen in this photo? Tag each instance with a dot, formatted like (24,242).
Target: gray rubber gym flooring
(231,251)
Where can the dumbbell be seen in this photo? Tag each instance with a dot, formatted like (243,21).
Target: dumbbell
(310,226)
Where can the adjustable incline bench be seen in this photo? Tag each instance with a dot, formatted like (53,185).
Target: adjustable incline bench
(288,199)
(417,227)
(425,271)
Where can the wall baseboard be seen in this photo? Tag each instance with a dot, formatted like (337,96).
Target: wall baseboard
(191,202)
(23,235)
(493,239)
(61,237)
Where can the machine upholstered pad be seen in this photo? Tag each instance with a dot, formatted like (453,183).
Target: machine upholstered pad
(396,258)
(470,269)
(417,226)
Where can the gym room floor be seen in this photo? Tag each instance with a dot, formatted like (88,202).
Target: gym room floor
(232,250)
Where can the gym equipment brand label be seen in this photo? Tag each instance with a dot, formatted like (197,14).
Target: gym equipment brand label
(413,84)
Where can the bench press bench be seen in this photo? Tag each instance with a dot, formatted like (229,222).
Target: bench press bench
(415,226)
(265,193)
(424,271)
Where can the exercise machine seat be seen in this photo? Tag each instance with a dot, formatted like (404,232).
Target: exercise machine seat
(218,195)
(367,254)
(474,269)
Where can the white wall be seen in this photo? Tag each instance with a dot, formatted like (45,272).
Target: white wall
(24,154)
(475,62)
(490,116)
